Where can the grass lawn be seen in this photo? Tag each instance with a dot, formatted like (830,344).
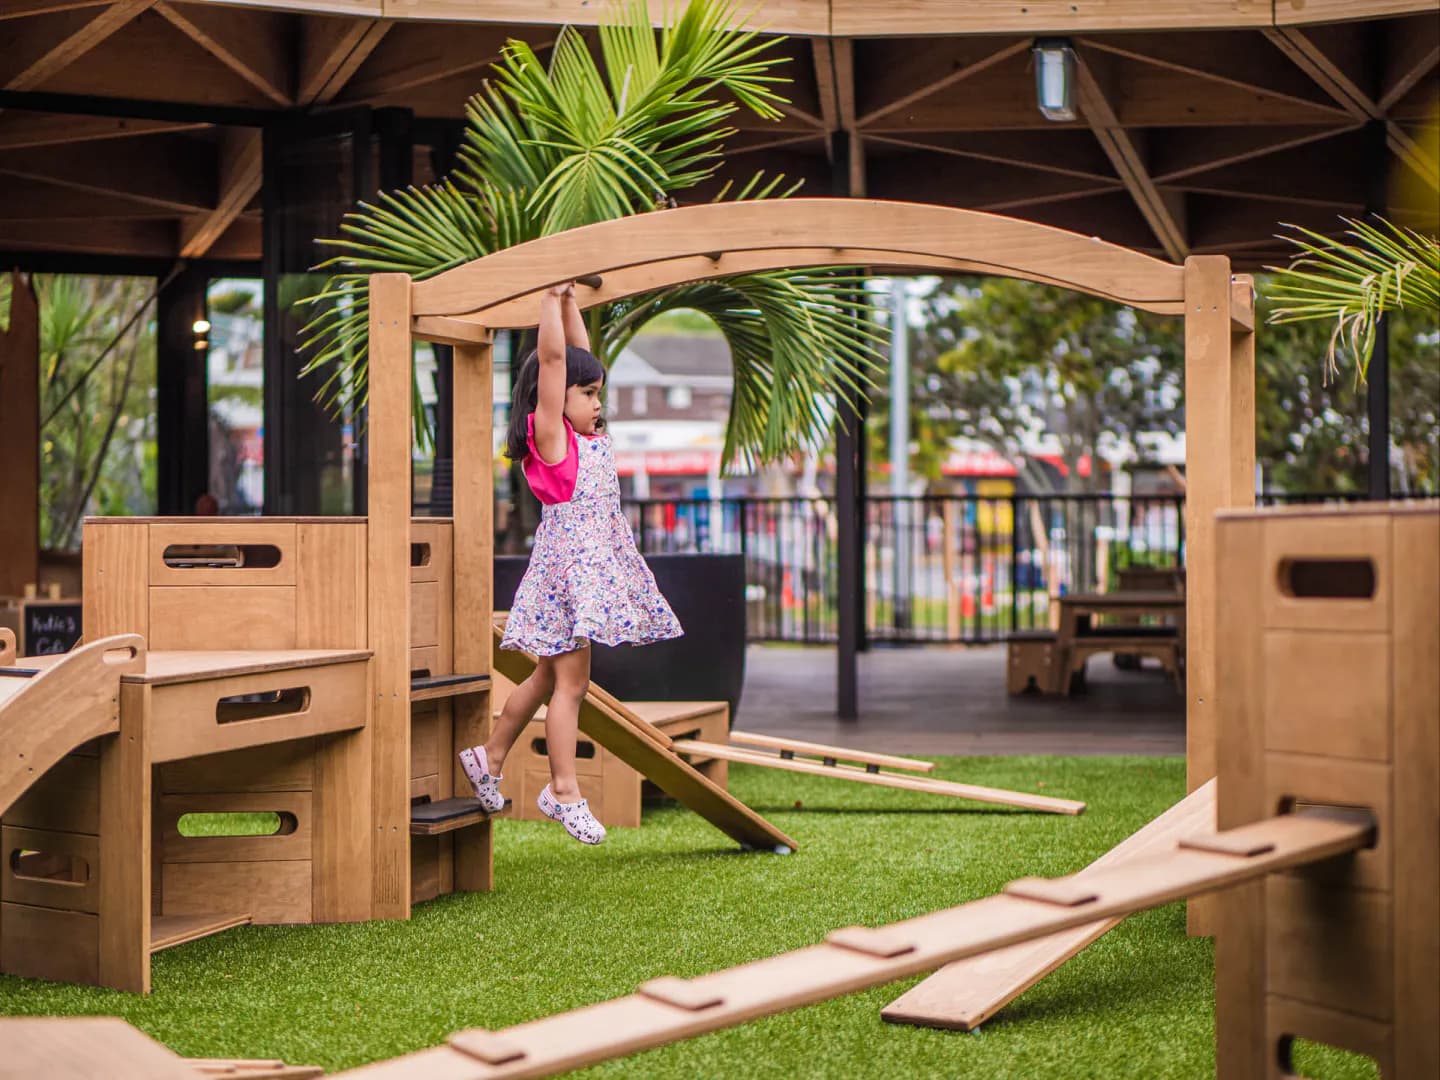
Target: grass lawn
(570,925)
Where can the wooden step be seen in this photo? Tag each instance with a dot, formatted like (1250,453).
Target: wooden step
(445,815)
(443,686)
(167,931)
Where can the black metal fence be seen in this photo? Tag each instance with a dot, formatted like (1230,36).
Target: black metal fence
(951,568)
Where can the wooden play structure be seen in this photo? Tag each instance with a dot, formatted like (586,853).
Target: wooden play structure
(1322,701)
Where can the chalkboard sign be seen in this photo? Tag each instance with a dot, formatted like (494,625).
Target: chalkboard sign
(48,626)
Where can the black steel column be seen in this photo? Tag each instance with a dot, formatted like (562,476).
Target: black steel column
(181,400)
(1377,380)
(849,484)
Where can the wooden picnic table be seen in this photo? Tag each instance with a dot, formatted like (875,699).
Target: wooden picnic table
(1075,641)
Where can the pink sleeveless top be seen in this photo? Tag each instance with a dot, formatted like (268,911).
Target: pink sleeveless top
(552,483)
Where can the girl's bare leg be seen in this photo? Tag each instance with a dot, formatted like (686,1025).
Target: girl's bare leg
(519,710)
(562,721)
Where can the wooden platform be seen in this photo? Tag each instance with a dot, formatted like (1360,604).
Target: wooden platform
(445,815)
(431,687)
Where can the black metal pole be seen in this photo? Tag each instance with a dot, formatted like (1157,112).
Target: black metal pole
(849,438)
(1377,380)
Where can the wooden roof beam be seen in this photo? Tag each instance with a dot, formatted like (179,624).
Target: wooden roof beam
(250,43)
(71,48)
(1004,148)
(422,61)
(20,130)
(1243,60)
(824,56)
(1199,152)
(18,9)
(950,71)
(158,172)
(331,52)
(1165,213)
(1331,76)
(1412,52)
(241,159)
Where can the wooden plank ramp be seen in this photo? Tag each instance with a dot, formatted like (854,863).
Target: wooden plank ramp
(1044,803)
(45,715)
(666,1010)
(963,995)
(167,931)
(649,752)
(829,754)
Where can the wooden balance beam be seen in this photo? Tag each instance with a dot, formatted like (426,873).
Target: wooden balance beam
(829,766)
(963,995)
(666,1010)
(788,748)
(650,752)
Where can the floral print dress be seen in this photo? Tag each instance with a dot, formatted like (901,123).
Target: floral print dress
(586,582)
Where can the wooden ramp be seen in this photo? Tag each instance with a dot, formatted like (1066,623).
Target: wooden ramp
(963,995)
(666,1010)
(830,766)
(49,706)
(650,752)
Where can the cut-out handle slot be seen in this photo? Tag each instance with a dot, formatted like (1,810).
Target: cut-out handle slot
(419,673)
(293,699)
(222,556)
(419,554)
(583,748)
(238,823)
(1306,1057)
(1328,579)
(1289,804)
(50,868)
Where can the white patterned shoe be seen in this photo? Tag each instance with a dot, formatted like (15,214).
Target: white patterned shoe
(575,816)
(485,786)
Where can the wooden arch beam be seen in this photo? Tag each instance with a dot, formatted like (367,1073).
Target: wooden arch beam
(805,232)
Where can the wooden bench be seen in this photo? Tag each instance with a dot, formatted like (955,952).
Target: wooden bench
(1161,642)
(1032,659)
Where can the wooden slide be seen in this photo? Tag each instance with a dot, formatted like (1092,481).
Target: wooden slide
(666,1010)
(796,756)
(963,995)
(51,705)
(651,753)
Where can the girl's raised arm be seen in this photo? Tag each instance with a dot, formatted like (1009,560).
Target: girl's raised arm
(550,398)
(576,333)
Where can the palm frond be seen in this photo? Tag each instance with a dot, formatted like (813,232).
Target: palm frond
(553,145)
(1353,280)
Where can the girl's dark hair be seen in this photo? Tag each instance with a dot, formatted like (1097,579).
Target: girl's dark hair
(581,368)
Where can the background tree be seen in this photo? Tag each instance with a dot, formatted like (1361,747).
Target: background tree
(1005,361)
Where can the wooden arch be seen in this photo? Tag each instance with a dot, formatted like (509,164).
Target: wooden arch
(463,307)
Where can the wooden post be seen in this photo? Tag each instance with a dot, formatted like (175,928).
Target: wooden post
(474,547)
(20,441)
(1209,478)
(124,869)
(1219,424)
(388,589)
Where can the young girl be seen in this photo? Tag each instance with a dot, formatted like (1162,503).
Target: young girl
(585,582)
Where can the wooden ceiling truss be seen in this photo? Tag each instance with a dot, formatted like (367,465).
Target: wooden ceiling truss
(1196,138)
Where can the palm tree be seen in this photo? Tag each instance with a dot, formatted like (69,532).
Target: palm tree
(549,148)
(1353,280)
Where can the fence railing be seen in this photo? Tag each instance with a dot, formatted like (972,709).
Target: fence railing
(951,568)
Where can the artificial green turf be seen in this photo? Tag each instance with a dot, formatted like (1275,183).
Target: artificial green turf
(571,925)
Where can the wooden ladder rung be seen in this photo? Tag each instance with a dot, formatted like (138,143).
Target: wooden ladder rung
(443,686)
(445,815)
